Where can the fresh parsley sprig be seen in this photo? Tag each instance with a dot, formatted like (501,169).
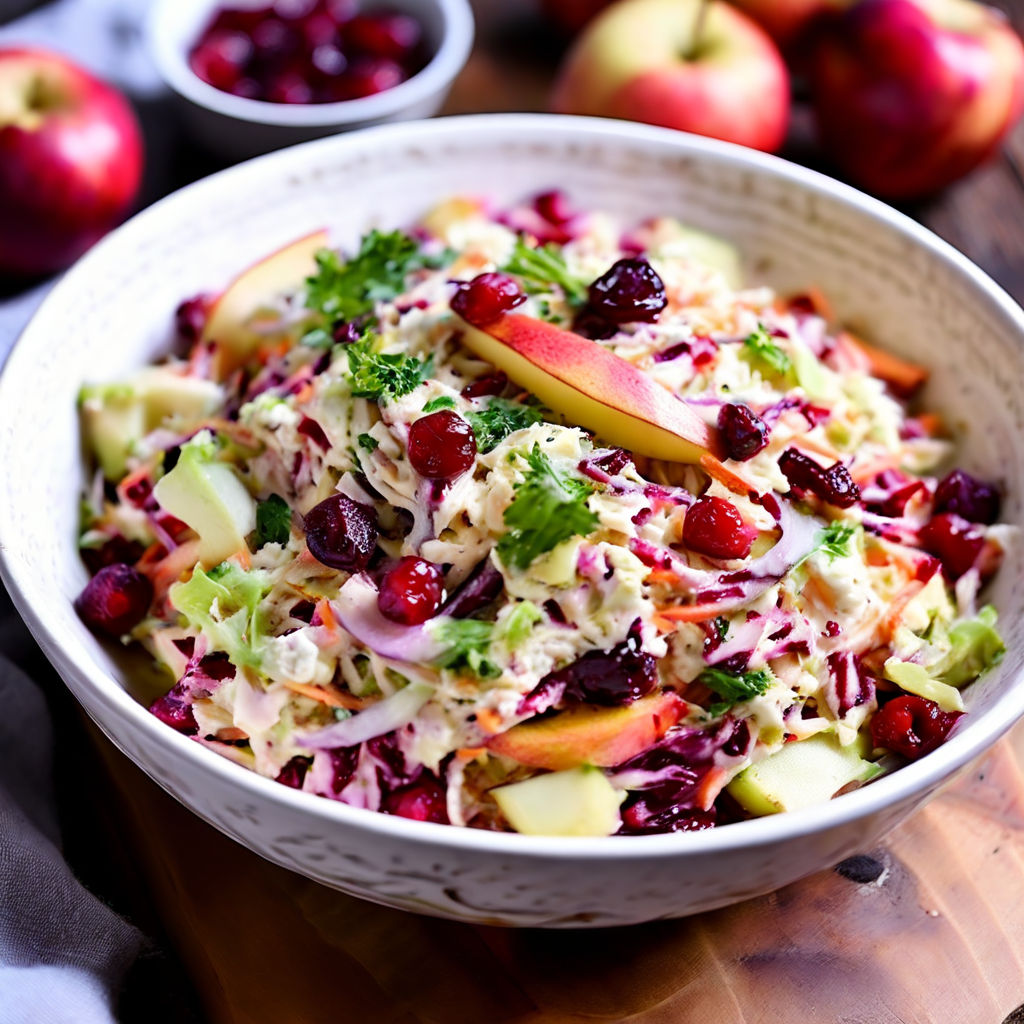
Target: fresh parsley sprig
(761,349)
(383,376)
(735,687)
(468,642)
(273,521)
(499,418)
(345,289)
(541,267)
(549,506)
(835,539)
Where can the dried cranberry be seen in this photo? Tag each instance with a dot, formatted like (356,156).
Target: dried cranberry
(617,676)
(629,291)
(346,332)
(383,35)
(422,801)
(116,549)
(743,431)
(488,297)
(590,324)
(190,318)
(714,527)
(645,815)
(954,541)
(173,709)
(833,484)
(294,772)
(615,461)
(115,600)
(963,495)
(492,384)
(341,533)
(220,58)
(442,445)
(412,591)
(911,726)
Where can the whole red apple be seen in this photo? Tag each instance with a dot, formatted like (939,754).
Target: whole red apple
(699,67)
(572,15)
(787,21)
(70,160)
(910,95)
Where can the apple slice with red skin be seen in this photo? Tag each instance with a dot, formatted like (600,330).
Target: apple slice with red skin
(593,387)
(588,735)
(228,323)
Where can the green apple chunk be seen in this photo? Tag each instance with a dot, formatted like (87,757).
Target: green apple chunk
(209,497)
(801,774)
(577,802)
(165,393)
(113,421)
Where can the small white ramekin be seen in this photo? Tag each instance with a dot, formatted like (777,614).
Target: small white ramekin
(236,127)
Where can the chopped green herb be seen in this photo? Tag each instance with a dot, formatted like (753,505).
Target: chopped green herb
(273,521)
(345,289)
(520,622)
(499,419)
(835,539)
(721,625)
(734,687)
(549,506)
(441,402)
(543,266)
(367,442)
(317,338)
(468,641)
(384,377)
(761,348)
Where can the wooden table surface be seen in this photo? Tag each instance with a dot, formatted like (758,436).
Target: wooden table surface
(926,928)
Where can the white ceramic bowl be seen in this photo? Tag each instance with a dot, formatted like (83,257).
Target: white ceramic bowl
(888,278)
(237,127)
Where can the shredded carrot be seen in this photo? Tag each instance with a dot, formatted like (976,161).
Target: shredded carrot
(718,470)
(489,720)
(333,698)
(814,445)
(327,619)
(710,786)
(931,423)
(898,605)
(467,754)
(666,576)
(869,470)
(162,572)
(242,558)
(821,304)
(902,375)
(691,612)
(662,624)
(304,394)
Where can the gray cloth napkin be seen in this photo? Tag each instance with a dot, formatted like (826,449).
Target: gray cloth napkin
(63,953)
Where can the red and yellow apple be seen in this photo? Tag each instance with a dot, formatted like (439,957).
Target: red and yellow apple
(593,387)
(788,21)
(676,63)
(230,323)
(910,95)
(589,735)
(70,160)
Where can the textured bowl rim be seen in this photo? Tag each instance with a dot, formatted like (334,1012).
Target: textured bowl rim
(456,32)
(913,780)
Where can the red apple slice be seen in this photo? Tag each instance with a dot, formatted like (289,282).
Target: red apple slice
(586,735)
(593,387)
(228,323)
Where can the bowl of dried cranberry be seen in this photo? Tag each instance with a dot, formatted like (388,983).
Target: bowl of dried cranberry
(113,313)
(257,75)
